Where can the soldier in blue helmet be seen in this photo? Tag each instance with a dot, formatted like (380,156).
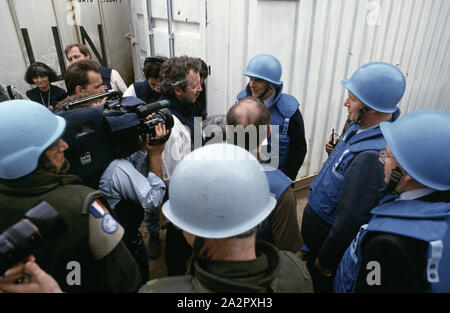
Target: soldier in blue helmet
(227,257)
(32,167)
(405,246)
(346,188)
(264,71)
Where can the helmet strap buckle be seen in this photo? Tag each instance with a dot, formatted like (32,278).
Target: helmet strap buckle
(361,112)
(394,179)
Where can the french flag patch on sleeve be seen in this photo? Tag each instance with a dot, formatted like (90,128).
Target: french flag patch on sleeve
(97,209)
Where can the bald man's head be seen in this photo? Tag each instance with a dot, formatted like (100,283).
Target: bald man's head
(248,111)
(248,121)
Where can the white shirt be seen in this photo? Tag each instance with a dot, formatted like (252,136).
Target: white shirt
(130,92)
(415,194)
(176,148)
(117,82)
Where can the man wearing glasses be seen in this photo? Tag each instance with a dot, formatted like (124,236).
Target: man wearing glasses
(347,186)
(404,247)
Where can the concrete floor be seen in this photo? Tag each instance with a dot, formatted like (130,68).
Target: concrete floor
(158,267)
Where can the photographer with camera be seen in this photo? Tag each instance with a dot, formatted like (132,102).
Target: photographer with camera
(90,256)
(132,185)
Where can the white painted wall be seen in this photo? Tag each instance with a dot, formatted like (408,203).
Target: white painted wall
(39,16)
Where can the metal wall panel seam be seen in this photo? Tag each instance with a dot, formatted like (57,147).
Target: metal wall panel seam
(418,67)
(410,63)
(433,51)
(294,44)
(150,27)
(15,19)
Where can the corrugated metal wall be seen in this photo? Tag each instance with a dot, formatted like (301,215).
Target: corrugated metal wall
(45,20)
(319,43)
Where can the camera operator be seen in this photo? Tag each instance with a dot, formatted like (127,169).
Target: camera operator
(133,184)
(32,166)
(84,77)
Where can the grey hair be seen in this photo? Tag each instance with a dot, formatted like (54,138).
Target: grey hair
(174,73)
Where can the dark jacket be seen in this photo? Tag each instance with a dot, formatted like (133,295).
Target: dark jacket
(272,271)
(105,263)
(56,95)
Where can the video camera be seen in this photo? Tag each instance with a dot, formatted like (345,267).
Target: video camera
(114,107)
(42,223)
(98,134)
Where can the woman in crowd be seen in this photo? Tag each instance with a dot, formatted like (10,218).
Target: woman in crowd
(42,76)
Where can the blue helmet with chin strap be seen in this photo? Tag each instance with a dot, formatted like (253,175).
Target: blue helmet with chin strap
(378,85)
(420,142)
(27,129)
(265,67)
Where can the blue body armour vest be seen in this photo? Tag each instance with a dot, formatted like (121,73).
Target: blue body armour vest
(278,183)
(106,77)
(326,187)
(426,221)
(281,111)
(145,92)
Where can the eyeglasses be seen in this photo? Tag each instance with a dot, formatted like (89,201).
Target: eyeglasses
(382,156)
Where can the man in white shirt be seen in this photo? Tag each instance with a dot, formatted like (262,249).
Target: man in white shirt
(181,85)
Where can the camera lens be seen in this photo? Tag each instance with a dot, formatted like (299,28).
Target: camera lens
(41,223)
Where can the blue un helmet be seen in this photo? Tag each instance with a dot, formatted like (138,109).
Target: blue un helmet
(378,85)
(27,129)
(265,67)
(218,191)
(420,142)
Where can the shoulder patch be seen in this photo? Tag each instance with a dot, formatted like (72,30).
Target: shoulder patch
(97,209)
(109,224)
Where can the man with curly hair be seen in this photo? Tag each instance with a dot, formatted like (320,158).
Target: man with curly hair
(181,85)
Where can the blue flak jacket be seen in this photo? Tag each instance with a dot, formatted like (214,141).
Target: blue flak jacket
(326,187)
(416,219)
(282,109)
